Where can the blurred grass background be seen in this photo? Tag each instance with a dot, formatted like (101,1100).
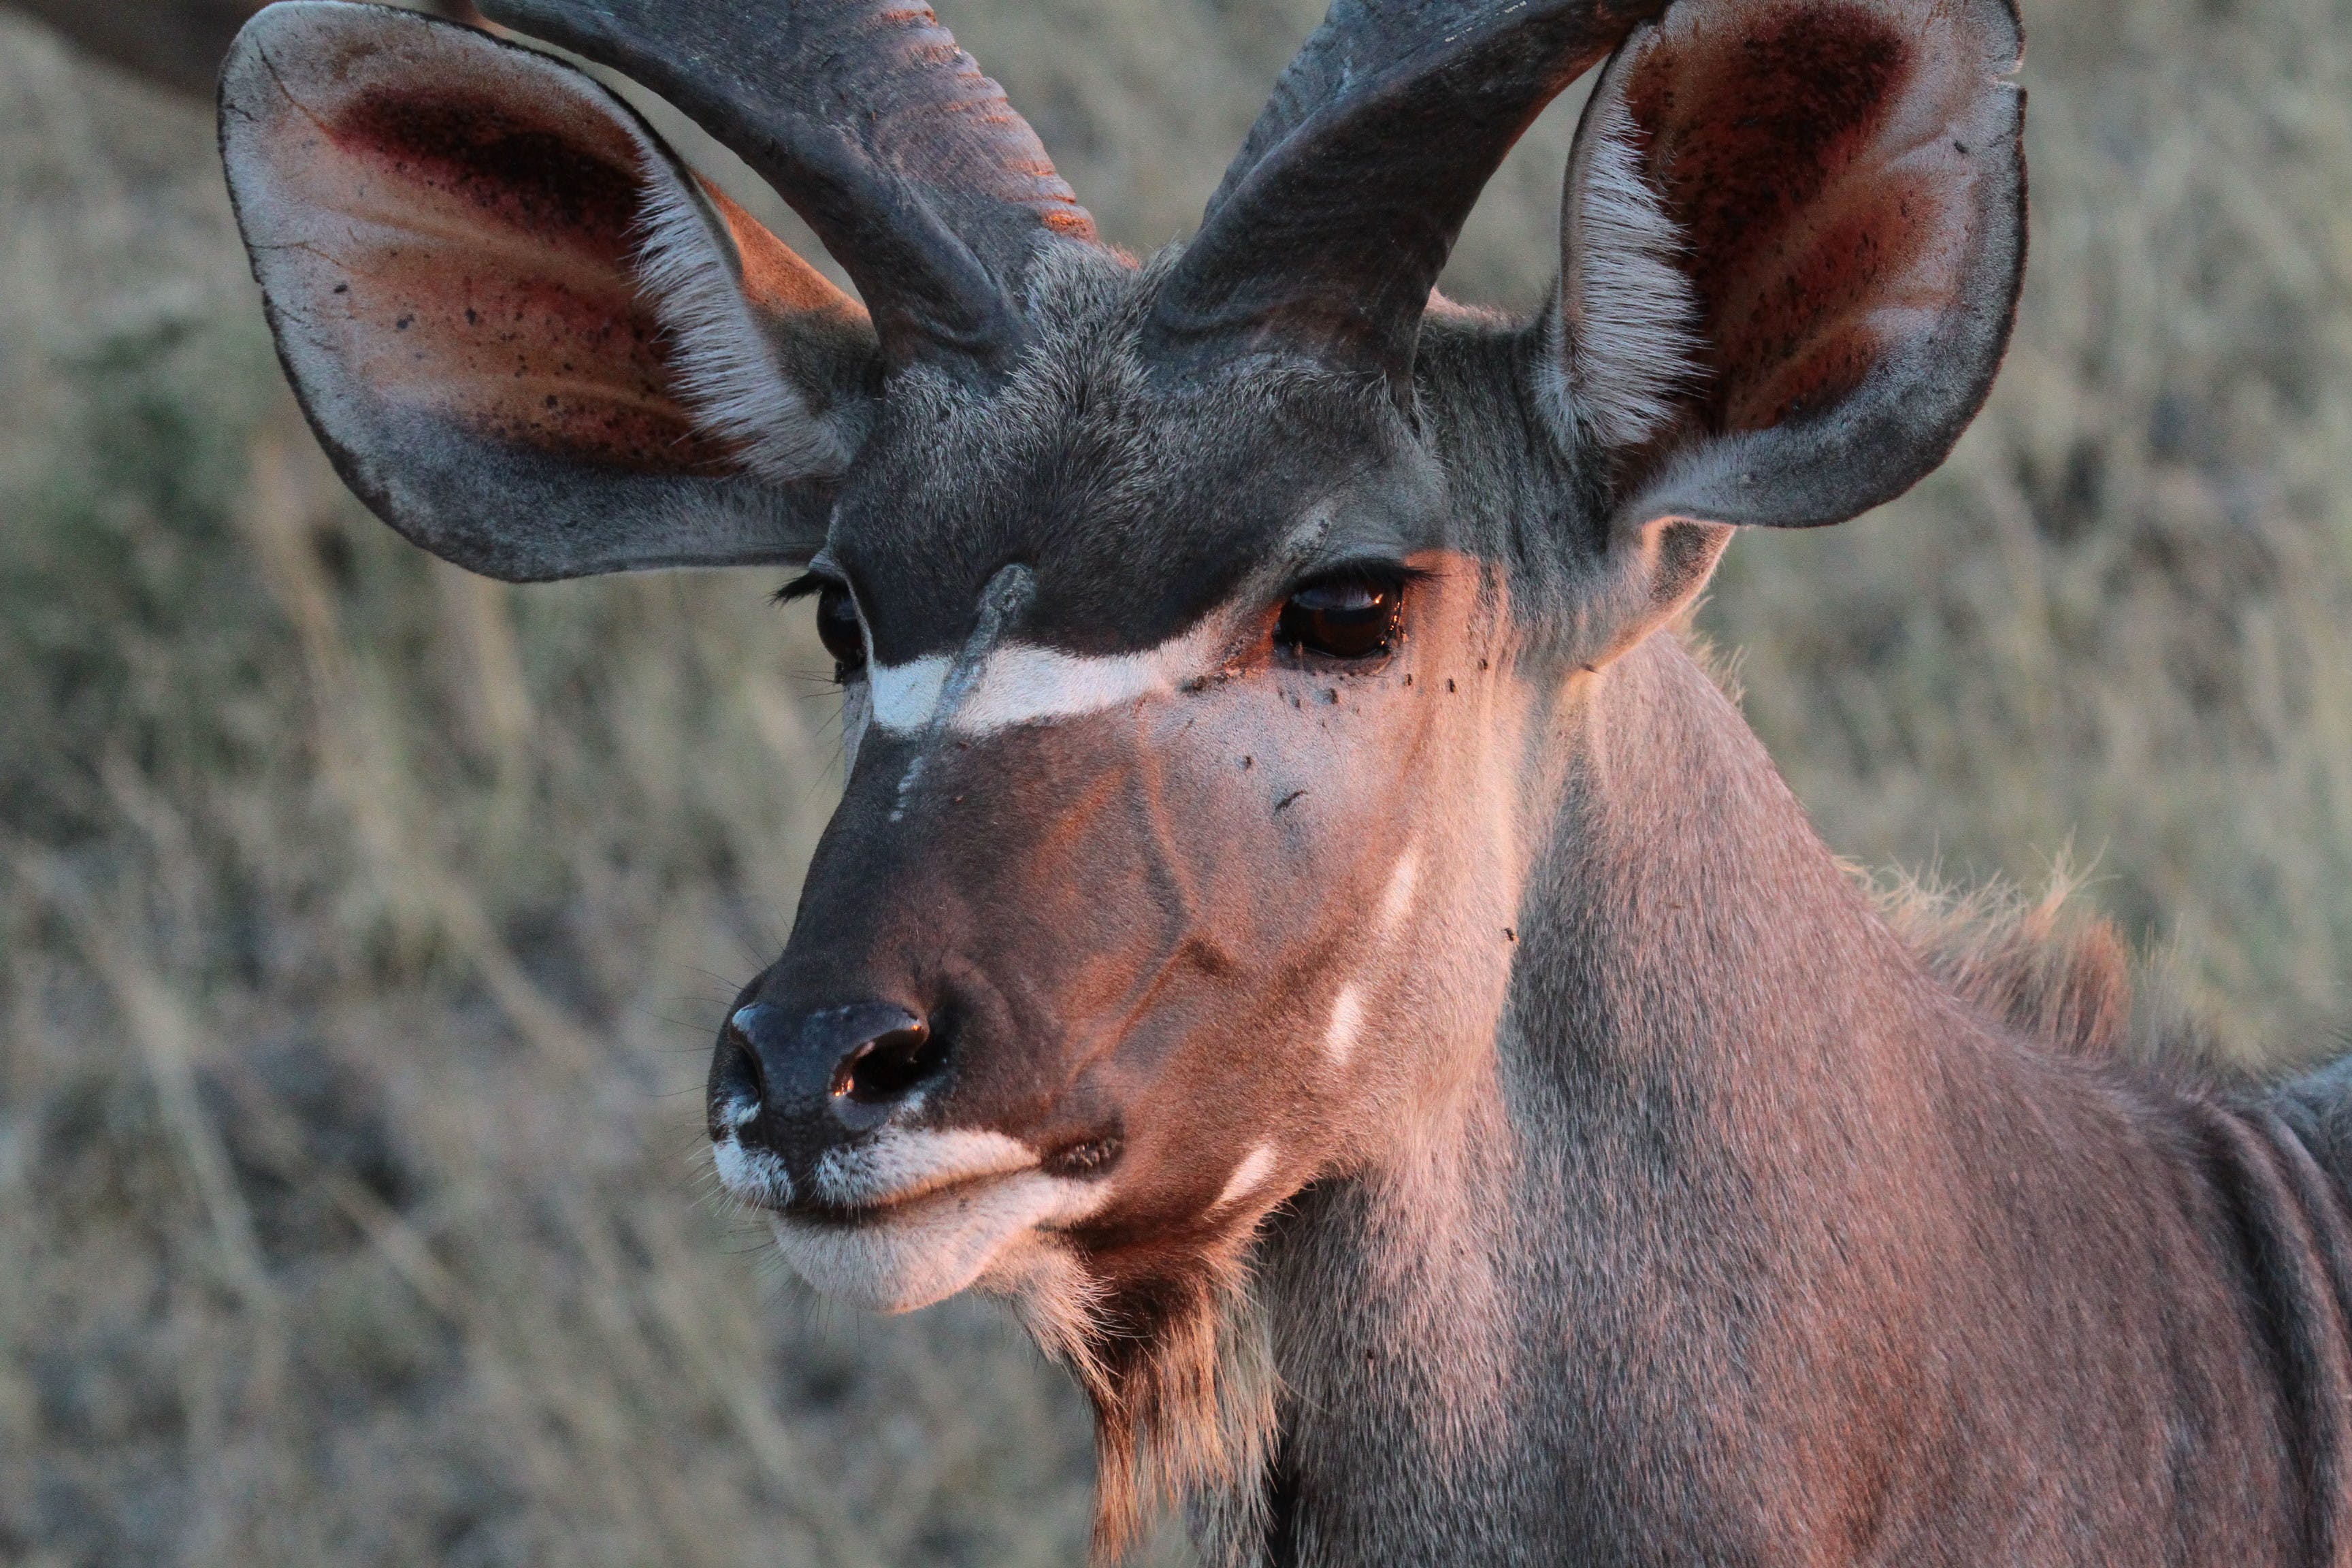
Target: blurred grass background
(363,925)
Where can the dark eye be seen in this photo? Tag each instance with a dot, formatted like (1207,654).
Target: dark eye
(837,628)
(1349,617)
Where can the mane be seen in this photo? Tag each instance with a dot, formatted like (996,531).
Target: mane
(2048,967)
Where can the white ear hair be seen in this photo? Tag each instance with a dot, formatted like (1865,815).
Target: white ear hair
(726,374)
(1624,333)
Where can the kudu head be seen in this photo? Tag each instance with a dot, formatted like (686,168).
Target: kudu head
(1200,623)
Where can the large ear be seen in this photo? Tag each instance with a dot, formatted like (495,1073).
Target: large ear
(529,340)
(1792,241)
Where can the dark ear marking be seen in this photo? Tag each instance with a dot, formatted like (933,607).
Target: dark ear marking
(911,165)
(554,350)
(1839,190)
(527,339)
(1784,257)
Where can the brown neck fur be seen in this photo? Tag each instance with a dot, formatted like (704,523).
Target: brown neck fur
(1755,1230)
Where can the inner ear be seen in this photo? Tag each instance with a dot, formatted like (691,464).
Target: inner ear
(1792,242)
(528,339)
(483,254)
(1801,158)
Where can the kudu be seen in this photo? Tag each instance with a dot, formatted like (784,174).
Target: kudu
(1295,924)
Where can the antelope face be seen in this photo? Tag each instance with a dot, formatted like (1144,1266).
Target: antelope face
(1205,627)
(1174,755)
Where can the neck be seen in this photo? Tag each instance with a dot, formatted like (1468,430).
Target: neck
(1676,1277)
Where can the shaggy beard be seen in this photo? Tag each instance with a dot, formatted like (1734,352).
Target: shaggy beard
(1176,1359)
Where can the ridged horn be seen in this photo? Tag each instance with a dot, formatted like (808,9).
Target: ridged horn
(1332,224)
(911,165)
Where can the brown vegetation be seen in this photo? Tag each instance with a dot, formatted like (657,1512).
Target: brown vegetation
(361,924)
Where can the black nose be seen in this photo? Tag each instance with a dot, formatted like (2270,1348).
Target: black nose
(854,1063)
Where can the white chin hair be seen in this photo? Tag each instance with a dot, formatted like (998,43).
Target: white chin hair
(929,1250)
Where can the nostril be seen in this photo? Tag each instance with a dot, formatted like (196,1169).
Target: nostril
(889,1067)
(739,1087)
(742,1055)
(852,1065)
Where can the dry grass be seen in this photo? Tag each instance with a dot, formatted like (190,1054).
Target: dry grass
(2122,615)
(361,924)
(362,927)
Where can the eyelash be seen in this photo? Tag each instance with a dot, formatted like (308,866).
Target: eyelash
(844,639)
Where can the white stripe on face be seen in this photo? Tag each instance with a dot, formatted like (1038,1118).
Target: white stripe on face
(1347,1017)
(1396,900)
(1255,1166)
(1020,683)
(905,696)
